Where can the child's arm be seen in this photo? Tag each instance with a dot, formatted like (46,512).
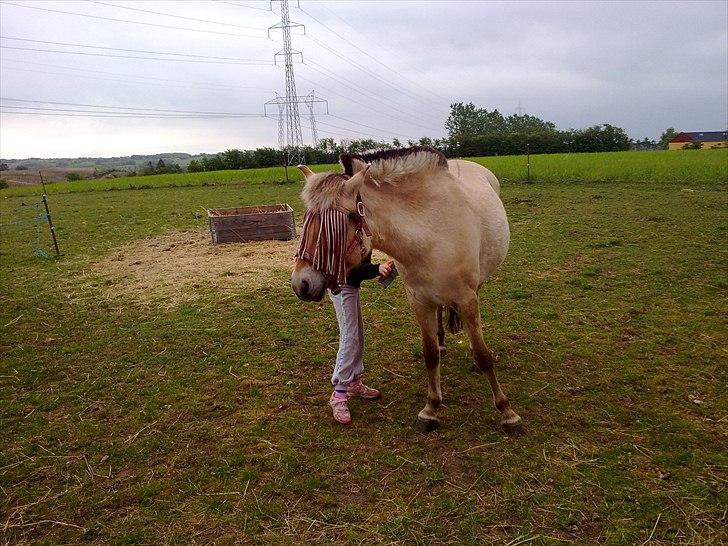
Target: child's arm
(361,273)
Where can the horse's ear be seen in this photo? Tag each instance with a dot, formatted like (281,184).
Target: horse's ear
(305,170)
(360,176)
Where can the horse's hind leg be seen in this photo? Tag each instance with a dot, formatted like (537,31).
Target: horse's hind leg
(427,319)
(440,332)
(470,315)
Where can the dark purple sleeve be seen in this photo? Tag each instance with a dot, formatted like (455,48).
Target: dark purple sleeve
(361,273)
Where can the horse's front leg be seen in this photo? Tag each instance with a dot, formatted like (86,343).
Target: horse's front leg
(427,316)
(470,314)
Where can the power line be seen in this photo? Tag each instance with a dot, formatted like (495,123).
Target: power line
(355,131)
(322,4)
(368,95)
(111,55)
(389,103)
(337,134)
(74,114)
(118,74)
(342,136)
(354,63)
(129,108)
(129,82)
(369,126)
(244,6)
(114,114)
(171,15)
(132,22)
(132,50)
(362,106)
(349,42)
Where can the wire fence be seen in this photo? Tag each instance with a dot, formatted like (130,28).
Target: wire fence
(34,219)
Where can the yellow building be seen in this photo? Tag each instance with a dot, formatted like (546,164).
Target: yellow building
(707,139)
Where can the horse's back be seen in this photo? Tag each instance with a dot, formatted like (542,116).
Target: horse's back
(469,170)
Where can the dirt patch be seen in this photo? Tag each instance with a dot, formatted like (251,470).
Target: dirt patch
(31,177)
(179,267)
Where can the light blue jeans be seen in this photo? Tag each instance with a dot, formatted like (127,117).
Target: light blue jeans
(350,358)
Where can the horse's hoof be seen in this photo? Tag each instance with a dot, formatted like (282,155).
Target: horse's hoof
(514,427)
(427,425)
(443,350)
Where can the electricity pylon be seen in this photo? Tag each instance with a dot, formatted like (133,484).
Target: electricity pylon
(294,139)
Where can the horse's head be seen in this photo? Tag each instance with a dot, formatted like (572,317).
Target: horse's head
(333,239)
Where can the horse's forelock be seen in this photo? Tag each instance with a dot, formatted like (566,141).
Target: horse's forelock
(323,191)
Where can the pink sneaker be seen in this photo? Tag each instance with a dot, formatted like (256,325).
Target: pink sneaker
(357,388)
(340,407)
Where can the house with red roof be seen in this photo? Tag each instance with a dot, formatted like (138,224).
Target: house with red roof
(707,139)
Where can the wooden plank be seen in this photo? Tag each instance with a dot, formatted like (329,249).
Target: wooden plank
(252,221)
(259,209)
(244,233)
(234,236)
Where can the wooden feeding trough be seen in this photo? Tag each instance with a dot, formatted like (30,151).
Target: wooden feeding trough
(259,223)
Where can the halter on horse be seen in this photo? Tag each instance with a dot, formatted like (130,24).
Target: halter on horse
(328,249)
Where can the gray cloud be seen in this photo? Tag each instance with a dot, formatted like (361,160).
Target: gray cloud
(640,65)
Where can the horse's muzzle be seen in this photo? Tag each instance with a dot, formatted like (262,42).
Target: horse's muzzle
(308,284)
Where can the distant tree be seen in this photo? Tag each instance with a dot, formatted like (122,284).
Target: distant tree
(359,146)
(194,166)
(233,159)
(3,184)
(148,169)
(396,143)
(268,157)
(161,167)
(644,144)
(694,145)
(425,141)
(528,124)
(667,136)
(71,177)
(4,167)
(213,163)
(21,168)
(463,121)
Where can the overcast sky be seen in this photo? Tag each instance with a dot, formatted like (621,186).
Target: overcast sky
(388,69)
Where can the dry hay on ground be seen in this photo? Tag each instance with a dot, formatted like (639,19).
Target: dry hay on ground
(178,267)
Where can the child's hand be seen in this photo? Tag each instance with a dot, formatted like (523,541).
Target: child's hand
(385,269)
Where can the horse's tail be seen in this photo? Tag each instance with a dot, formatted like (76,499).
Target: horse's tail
(454,324)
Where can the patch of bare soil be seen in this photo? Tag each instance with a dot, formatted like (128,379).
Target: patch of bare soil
(179,267)
(31,177)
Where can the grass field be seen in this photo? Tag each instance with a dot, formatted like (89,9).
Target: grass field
(678,166)
(197,414)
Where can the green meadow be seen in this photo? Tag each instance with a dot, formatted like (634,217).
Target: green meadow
(659,166)
(155,389)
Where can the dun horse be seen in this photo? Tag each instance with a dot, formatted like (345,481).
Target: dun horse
(442,222)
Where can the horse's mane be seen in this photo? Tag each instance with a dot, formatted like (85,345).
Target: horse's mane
(389,165)
(322,192)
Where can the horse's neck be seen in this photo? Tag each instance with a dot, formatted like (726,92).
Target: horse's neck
(399,220)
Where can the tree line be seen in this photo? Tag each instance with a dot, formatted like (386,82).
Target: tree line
(471,131)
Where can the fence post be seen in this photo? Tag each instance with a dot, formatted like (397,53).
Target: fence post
(528,162)
(48,215)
